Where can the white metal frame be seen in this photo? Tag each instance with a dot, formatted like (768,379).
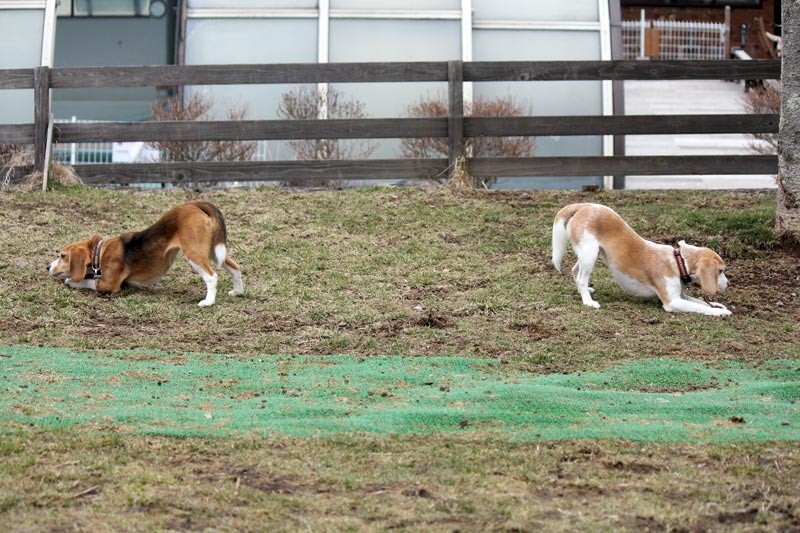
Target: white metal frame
(20,4)
(49,34)
(607,89)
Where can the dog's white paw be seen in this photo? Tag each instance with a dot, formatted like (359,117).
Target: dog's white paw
(719,312)
(717,305)
(592,303)
(206,303)
(235,293)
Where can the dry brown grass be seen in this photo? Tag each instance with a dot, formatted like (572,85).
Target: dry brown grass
(347,272)
(461,178)
(57,481)
(62,175)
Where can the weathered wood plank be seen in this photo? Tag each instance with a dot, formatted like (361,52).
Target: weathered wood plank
(16,133)
(391,169)
(179,173)
(620,70)
(147,76)
(251,130)
(619,125)
(144,76)
(16,78)
(628,165)
(410,127)
(41,113)
(455,113)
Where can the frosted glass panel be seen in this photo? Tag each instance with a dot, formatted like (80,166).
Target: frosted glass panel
(240,41)
(251,41)
(416,5)
(21,46)
(529,45)
(546,97)
(252,4)
(536,10)
(393,40)
(21,38)
(550,97)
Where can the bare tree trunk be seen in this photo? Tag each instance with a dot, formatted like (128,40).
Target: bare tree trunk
(788,212)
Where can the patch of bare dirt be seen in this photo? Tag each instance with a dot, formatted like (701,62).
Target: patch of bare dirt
(770,283)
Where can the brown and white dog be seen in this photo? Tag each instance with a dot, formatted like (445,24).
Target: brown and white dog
(641,267)
(142,258)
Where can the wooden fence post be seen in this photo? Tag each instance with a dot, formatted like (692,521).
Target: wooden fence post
(41,96)
(455,113)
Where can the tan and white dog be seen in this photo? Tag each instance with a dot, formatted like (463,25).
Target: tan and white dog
(142,258)
(641,267)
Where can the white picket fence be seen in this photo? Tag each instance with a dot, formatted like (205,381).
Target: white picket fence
(677,40)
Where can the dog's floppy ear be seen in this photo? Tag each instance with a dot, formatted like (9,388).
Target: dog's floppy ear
(708,273)
(78,261)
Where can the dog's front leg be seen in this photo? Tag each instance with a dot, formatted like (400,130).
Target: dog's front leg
(679,305)
(82,284)
(703,302)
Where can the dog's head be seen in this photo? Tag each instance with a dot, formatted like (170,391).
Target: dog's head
(706,268)
(74,260)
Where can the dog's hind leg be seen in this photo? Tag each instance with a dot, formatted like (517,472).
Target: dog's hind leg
(236,273)
(202,266)
(575,275)
(587,251)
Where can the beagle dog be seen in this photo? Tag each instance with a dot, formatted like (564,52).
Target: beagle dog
(142,258)
(641,267)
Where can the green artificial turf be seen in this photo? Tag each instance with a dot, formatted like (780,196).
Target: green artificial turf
(162,393)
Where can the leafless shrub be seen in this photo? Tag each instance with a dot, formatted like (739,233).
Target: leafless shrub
(764,100)
(195,107)
(307,103)
(436,107)
(7,151)
(11,156)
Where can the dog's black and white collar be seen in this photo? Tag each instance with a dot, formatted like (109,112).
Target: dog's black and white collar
(686,279)
(96,259)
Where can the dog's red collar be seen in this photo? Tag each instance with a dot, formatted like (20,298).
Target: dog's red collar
(686,279)
(96,259)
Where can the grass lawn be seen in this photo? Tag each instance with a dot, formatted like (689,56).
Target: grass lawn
(396,363)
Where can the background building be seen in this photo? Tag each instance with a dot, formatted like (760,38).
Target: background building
(749,19)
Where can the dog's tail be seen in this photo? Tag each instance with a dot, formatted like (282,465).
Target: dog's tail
(560,233)
(219,236)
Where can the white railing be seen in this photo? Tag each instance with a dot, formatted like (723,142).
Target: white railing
(81,153)
(674,40)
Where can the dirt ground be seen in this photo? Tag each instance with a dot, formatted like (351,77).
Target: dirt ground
(401,272)
(408,273)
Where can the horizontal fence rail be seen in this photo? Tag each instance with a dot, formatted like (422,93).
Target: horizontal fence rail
(249,130)
(407,169)
(455,127)
(287,171)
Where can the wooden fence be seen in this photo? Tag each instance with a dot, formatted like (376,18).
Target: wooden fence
(455,127)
